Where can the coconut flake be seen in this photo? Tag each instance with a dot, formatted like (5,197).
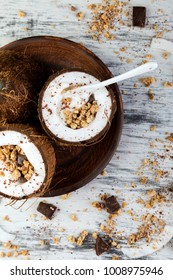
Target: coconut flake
(147,249)
(158,43)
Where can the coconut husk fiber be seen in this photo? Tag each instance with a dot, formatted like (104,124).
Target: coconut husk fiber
(20,82)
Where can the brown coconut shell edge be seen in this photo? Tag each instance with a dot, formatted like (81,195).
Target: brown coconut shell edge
(93,140)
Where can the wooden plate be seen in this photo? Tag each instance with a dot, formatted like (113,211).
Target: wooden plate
(76,166)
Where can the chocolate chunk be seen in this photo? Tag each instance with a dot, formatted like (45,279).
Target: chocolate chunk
(112,204)
(101,246)
(91,98)
(46,209)
(20,159)
(22,179)
(139,16)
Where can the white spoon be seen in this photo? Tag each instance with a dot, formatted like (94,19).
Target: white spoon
(147,67)
(83,92)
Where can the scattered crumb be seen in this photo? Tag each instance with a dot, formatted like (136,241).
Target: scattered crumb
(145,162)
(73,9)
(151,94)
(24,252)
(143,180)
(73,217)
(6,218)
(65,196)
(115,257)
(8,245)
(91,6)
(133,185)
(153,127)
(170,137)
(148,56)
(159,34)
(21,14)
(80,15)
(2,254)
(104,173)
(60,229)
(9,254)
(99,205)
(81,237)
(94,235)
(71,239)
(124,204)
(123,49)
(147,81)
(168,84)
(56,240)
(42,242)
(165,55)
(129,60)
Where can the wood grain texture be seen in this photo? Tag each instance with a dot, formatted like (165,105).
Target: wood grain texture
(55,18)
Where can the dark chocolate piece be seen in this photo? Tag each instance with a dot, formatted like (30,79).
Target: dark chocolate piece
(22,179)
(139,16)
(20,159)
(91,98)
(46,209)
(101,246)
(112,204)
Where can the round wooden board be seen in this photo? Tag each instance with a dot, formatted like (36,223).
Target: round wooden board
(76,166)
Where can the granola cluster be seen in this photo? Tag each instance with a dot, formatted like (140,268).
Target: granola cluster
(147,81)
(151,225)
(104,16)
(15,161)
(79,117)
(15,251)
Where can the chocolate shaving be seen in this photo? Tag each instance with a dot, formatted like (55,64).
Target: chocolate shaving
(46,209)
(112,204)
(101,246)
(139,16)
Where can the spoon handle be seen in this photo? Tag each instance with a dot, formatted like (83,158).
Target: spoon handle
(144,68)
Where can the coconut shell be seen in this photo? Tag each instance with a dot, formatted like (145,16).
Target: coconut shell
(62,142)
(21,79)
(44,145)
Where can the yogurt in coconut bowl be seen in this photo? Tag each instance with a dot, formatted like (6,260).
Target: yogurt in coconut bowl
(27,162)
(72,116)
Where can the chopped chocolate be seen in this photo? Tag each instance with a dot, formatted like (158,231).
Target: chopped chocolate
(22,179)
(139,16)
(91,98)
(101,246)
(20,159)
(46,209)
(112,204)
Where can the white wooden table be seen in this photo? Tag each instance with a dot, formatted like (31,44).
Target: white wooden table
(54,17)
